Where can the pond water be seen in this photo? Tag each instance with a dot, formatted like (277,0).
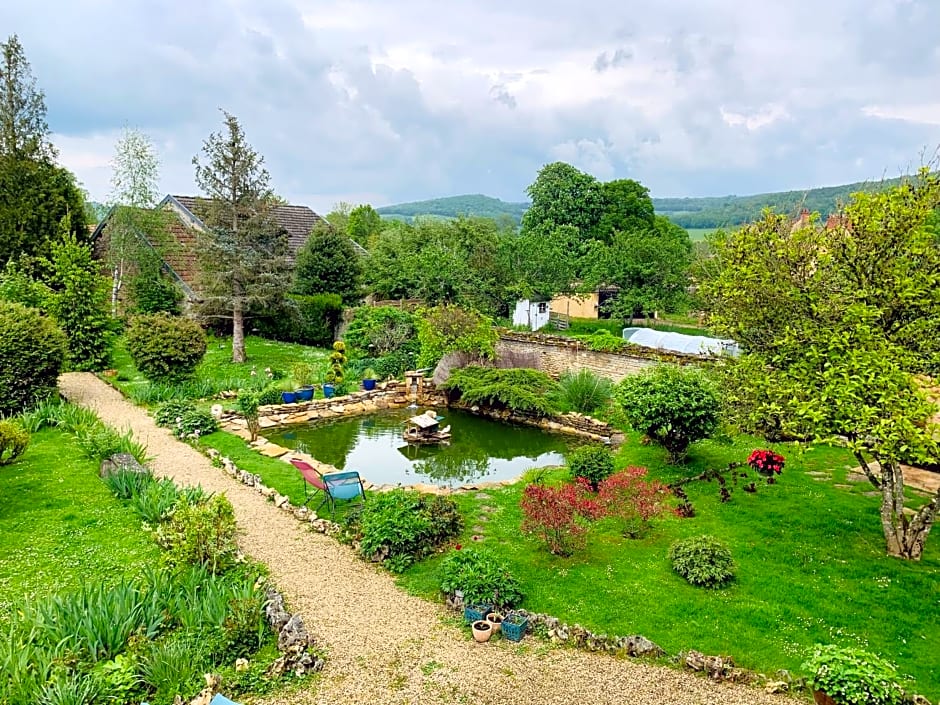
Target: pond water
(480,449)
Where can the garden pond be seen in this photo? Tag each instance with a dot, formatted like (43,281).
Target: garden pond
(480,450)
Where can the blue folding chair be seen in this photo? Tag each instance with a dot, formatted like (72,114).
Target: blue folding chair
(335,486)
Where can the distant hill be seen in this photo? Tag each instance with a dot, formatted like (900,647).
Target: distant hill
(724,211)
(711,212)
(451,207)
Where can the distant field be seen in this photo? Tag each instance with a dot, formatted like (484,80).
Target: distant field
(699,233)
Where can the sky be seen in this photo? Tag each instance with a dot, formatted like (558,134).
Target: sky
(379,101)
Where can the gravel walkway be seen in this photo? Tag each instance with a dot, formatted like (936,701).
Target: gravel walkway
(384,646)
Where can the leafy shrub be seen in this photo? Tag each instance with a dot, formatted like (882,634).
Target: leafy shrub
(558,516)
(583,391)
(81,305)
(604,341)
(195,423)
(168,412)
(69,689)
(17,286)
(269,395)
(481,577)
(523,390)
(592,462)
(201,534)
(446,329)
(378,331)
(337,370)
(244,625)
(165,348)
(32,349)
(248,403)
(674,406)
(398,527)
(702,560)
(310,320)
(853,676)
(634,500)
(13,441)
(40,416)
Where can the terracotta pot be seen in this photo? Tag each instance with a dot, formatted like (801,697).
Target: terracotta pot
(496,619)
(822,699)
(482,630)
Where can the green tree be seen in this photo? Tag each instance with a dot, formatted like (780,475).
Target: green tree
(339,216)
(563,195)
(836,323)
(445,329)
(243,253)
(364,224)
(31,352)
(24,133)
(650,267)
(80,304)
(627,207)
(134,227)
(328,264)
(35,194)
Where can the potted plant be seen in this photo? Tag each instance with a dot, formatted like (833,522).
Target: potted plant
(368,379)
(496,619)
(514,625)
(474,613)
(303,374)
(482,630)
(288,397)
(850,676)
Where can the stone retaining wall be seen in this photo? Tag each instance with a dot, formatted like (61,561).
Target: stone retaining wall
(572,423)
(557,355)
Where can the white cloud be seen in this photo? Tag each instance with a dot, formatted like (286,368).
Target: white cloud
(923,113)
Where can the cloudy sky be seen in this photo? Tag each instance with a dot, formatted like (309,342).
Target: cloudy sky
(384,101)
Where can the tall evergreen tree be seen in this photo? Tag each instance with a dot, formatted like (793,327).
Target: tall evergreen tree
(328,264)
(23,128)
(243,256)
(35,193)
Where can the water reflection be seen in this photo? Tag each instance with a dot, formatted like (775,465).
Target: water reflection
(480,449)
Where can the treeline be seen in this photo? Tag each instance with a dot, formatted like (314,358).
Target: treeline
(453,206)
(710,212)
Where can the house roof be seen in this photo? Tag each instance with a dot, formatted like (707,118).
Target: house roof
(297,221)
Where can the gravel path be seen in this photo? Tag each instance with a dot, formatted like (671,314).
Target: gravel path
(384,646)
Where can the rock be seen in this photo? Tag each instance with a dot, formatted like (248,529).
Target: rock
(280,500)
(216,411)
(293,635)
(241,664)
(775,687)
(120,462)
(272,450)
(639,646)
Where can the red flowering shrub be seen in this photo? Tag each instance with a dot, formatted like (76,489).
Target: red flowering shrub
(634,500)
(766,462)
(558,515)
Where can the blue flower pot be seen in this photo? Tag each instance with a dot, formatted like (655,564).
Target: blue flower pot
(368,384)
(304,394)
(474,613)
(328,390)
(514,632)
(288,397)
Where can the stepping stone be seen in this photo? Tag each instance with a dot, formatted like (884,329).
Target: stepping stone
(487,509)
(482,495)
(816,473)
(273,451)
(845,487)
(478,529)
(856,477)
(873,493)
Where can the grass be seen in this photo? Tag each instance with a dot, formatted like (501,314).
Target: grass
(811,568)
(61,526)
(217,372)
(700,233)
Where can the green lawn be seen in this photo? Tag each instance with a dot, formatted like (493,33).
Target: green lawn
(699,233)
(61,526)
(811,568)
(218,371)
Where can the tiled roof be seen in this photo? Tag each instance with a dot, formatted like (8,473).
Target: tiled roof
(297,221)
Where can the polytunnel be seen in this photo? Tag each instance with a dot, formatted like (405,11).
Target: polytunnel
(680,343)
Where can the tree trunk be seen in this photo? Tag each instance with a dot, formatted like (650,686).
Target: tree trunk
(238,325)
(904,537)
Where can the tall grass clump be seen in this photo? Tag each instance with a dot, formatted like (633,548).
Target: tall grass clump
(583,391)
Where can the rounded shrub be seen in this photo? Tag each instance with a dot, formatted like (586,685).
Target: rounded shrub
(592,462)
(481,577)
(702,560)
(13,441)
(853,676)
(165,348)
(674,406)
(32,349)
(397,527)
